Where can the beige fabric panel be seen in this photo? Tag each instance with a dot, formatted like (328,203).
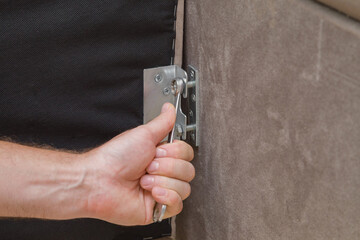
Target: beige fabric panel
(179,33)
(349,7)
(279,156)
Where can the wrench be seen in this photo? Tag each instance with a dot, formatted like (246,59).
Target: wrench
(177,87)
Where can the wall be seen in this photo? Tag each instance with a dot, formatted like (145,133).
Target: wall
(280,133)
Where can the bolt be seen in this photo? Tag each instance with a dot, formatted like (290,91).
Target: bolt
(179,130)
(158,78)
(193,97)
(191,113)
(174,87)
(166,91)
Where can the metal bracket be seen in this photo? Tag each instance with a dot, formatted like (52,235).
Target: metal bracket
(158,90)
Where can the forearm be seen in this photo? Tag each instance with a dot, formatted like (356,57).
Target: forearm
(41,183)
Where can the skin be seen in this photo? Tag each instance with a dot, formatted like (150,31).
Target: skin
(118,182)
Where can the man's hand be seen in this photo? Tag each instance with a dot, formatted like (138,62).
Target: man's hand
(118,182)
(128,174)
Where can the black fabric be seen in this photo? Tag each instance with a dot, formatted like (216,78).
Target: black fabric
(71,77)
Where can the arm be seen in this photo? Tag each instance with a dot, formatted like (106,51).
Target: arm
(117,182)
(36,183)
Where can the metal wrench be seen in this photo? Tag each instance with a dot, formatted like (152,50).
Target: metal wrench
(177,87)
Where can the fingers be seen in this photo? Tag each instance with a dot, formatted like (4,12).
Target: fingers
(163,124)
(170,198)
(148,182)
(178,149)
(173,168)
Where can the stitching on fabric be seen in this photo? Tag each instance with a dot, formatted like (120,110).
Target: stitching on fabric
(174,39)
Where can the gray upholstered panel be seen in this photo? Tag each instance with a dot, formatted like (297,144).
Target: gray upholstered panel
(280,135)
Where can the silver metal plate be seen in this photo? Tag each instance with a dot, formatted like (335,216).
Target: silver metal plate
(157,91)
(194,105)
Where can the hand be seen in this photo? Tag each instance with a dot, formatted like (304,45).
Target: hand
(126,175)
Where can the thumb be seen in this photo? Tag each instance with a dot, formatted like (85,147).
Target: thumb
(162,124)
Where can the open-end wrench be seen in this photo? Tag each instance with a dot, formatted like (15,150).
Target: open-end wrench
(177,87)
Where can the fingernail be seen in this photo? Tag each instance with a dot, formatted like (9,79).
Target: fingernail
(153,166)
(160,192)
(147,181)
(160,152)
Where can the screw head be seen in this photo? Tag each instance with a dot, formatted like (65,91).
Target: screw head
(191,113)
(193,97)
(166,91)
(158,78)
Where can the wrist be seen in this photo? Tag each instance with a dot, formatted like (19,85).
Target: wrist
(106,197)
(75,186)
(93,184)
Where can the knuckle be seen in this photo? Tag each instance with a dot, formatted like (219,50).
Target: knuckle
(159,181)
(144,135)
(166,166)
(180,207)
(173,199)
(192,154)
(187,191)
(189,148)
(169,123)
(172,167)
(192,172)
(177,149)
(144,132)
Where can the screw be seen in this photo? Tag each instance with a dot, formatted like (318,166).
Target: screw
(166,91)
(191,113)
(193,97)
(158,78)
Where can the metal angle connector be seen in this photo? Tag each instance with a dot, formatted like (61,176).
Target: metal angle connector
(173,84)
(160,87)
